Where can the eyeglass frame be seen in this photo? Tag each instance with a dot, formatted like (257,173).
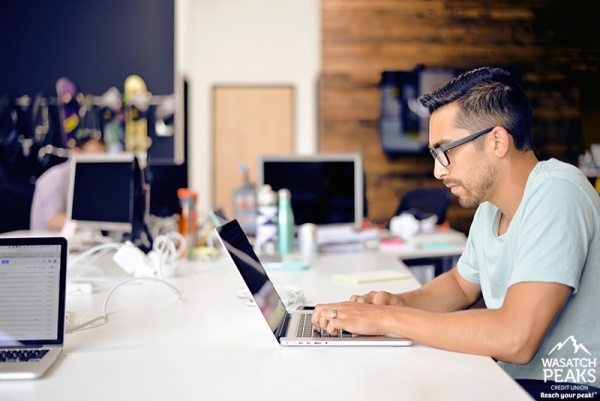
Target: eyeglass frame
(445,148)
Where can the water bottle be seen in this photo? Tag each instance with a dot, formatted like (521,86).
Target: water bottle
(244,203)
(265,242)
(285,222)
(188,218)
(307,240)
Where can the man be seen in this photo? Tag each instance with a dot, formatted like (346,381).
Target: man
(533,251)
(49,204)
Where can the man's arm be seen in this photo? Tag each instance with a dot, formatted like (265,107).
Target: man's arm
(512,333)
(56,221)
(445,293)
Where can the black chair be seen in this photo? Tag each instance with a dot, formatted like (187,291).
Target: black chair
(423,202)
(426,201)
(15,206)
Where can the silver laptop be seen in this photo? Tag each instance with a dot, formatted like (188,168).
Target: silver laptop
(291,328)
(32,305)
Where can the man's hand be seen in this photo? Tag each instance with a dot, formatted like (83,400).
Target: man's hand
(378,298)
(355,317)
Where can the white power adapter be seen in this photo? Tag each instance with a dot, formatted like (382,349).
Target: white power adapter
(133,261)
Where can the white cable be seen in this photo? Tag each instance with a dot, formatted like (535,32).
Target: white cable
(99,249)
(104,318)
(78,258)
(168,249)
(288,296)
(166,244)
(291,297)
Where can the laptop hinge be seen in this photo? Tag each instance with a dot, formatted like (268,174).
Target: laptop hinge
(282,328)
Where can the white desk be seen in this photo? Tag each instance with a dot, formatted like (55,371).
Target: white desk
(436,252)
(155,347)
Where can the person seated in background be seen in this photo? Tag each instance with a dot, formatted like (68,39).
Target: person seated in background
(49,204)
(533,250)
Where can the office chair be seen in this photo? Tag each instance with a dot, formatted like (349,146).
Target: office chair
(425,201)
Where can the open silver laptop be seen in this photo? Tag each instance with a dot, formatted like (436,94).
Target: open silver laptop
(291,328)
(32,305)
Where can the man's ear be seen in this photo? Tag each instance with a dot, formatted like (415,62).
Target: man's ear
(502,141)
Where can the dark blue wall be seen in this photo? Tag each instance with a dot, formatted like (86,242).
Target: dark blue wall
(96,44)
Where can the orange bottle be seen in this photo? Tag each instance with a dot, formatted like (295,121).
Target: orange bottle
(188,218)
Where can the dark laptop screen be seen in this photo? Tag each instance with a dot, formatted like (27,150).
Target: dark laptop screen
(237,245)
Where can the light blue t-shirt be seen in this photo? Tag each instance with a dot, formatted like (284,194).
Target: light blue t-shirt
(553,237)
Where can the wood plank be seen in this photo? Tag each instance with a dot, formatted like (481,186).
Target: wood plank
(362,38)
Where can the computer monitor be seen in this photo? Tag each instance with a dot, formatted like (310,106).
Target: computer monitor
(101,193)
(326,188)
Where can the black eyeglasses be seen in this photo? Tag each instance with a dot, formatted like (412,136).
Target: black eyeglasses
(439,152)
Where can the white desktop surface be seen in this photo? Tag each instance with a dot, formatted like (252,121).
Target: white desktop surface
(155,347)
(445,242)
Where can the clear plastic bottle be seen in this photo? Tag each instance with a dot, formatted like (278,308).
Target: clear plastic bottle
(265,242)
(244,203)
(285,222)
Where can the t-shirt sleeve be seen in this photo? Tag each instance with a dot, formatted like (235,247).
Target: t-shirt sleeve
(50,196)
(554,234)
(468,266)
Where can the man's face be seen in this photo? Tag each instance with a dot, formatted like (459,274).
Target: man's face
(93,146)
(470,176)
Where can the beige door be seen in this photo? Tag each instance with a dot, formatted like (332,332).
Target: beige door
(249,120)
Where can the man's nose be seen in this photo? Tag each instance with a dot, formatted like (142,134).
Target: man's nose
(439,171)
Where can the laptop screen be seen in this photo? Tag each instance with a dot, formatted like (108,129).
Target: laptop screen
(237,245)
(32,290)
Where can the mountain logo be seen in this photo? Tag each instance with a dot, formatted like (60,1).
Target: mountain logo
(570,340)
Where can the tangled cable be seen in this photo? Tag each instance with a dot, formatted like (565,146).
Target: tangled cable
(167,249)
(104,317)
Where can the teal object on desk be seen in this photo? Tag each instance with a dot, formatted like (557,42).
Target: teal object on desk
(285,222)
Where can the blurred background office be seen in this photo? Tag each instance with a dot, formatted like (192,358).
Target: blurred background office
(305,76)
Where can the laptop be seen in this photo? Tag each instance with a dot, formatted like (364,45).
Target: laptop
(33,275)
(290,328)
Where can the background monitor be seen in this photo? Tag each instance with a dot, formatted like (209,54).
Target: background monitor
(326,188)
(101,193)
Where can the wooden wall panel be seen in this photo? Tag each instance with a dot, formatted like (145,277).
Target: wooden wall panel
(548,42)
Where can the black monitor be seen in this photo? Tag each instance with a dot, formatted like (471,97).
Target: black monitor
(326,188)
(101,193)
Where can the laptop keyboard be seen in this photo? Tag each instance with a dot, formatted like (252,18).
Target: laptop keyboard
(22,355)
(305,329)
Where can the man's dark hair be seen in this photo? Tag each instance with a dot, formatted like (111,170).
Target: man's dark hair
(81,139)
(486,97)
